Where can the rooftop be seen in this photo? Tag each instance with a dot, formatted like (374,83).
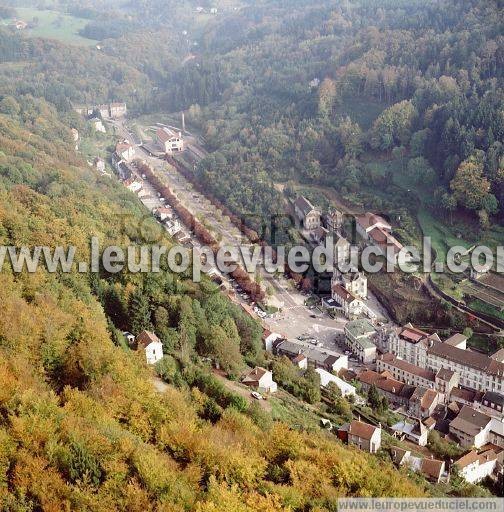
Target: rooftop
(361,429)
(467,358)
(361,327)
(392,360)
(470,421)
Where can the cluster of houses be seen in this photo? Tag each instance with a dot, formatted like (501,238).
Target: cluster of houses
(167,217)
(105,111)
(439,385)
(433,384)
(349,287)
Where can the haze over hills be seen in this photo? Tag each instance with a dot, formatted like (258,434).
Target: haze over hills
(390,106)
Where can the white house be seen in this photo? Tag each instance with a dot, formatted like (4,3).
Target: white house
(260,379)
(326,377)
(353,282)
(308,215)
(413,430)
(172,226)
(163,213)
(152,346)
(363,435)
(125,151)
(349,304)
(99,164)
(471,427)
(474,467)
(170,141)
(133,184)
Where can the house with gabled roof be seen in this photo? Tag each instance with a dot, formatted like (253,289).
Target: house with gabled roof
(363,435)
(261,379)
(471,427)
(151,345)
(169,140)
(474,467)
(307,214)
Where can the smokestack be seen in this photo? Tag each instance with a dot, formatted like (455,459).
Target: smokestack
(183,122)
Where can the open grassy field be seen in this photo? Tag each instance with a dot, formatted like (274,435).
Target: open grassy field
(53,25)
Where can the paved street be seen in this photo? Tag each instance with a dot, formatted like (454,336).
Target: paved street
(295,318)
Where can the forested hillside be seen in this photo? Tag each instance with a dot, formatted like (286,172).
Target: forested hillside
(284,92)
(82,426)
(419,80)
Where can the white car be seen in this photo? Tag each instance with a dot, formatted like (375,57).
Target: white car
(256,395)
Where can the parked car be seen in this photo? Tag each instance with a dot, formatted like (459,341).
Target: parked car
(256,395)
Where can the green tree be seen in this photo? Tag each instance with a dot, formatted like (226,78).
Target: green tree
(139,312)
(470,187)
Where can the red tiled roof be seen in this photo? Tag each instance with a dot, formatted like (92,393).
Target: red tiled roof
(343,294)
(368,220)
(432,468)
(362,430)
(145,338)
(467,357)
(392,360)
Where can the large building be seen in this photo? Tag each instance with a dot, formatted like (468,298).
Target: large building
(475,370)
(315,356)
(377,231)
(307,214)
(170,141)
(359,336)
(471,428)
(353,282)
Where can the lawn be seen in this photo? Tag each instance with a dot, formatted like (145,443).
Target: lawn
(53,25)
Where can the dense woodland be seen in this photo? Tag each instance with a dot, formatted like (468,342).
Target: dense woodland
(82,426)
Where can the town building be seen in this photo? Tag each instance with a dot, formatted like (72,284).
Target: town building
(98,125)
(377,231)
(359,335)
(260,379)
(342,249)
(423,402)
(151,345)
(411,429)
(169,140)
(133,184)
(345,388)
(269,339)
(405,372)
(163,213)
(99,164)
(471,428)
(307,214)
(397,393)
(351,306)
(474,467)
(363,435)
(432,469)
(353,282)
(333,220)
(316,357)
(125,151)
(475,370)
(493,404)
(105,111)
